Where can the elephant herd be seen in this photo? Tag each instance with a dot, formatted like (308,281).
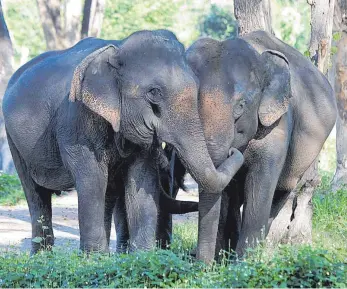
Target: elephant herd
(245,117)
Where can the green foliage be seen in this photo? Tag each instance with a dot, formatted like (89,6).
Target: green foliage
(125,17)
(337,36)
(287,266)
(219,23)
(23,22)
(10,190)
(187,19)
(290,267)
(291,22)
(330,218)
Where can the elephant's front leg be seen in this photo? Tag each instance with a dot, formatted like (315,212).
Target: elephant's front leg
(141,200)
(209,212)
(265,159)
(121,224)
(91,183)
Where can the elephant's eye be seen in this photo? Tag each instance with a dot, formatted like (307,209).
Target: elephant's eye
(154,94)
(239,108)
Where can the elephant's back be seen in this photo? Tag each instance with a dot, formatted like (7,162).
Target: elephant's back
(38,90)
(313,107)
(313,100)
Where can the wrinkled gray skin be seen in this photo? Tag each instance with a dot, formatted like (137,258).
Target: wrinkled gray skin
(91,117)
(263,97)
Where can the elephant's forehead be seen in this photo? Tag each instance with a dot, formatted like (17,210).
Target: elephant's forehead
(185,101)
(215,109)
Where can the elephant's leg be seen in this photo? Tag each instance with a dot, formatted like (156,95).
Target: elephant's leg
(164,229)
(169,182)
(39,203)
(265,160)
(91,179)
(121,224)
(110,202)
(141,200)
(115,204)
(230,219)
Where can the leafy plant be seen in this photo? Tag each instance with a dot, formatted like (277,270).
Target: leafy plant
(219,23)
(10,190)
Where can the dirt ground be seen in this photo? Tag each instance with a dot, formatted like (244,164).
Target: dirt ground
(15,224)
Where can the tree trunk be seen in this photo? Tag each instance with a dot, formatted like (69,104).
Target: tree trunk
(322,15)
(50,15)
(340,81)
(6,70)
(93,15)
(294,222)
(60,33)
(97,17)
(253,15)
(86,18)
(73,11)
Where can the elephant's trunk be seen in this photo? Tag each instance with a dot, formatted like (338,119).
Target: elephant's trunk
(187,136)
(192,150)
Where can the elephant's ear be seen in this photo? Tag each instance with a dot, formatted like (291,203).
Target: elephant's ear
(94,83)
(276,87)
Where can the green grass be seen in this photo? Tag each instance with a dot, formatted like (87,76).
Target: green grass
(289,267)
(329,220)
(11,191)
(321,265)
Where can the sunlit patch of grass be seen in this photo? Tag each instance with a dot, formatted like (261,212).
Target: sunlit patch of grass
(330,221)
(185,237)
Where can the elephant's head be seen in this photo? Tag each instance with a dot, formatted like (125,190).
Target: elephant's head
(146,90)
(239,88)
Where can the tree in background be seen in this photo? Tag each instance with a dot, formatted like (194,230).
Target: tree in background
(28,40)
(123,17)
(60,20)
(219,23)
(322,12)
(253,15)
(291,22)
(6,70)
(339,80)
(93,15)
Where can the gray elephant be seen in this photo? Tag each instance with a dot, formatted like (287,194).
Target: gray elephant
(92,117)
(263,97)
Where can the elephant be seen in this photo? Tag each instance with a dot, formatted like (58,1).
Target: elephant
(92,117)
(264,98)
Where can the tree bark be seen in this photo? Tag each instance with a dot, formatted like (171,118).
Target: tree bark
(340,86)
(60,33)
(322,12)
(93,15)
(50,15)
(72,23)
(253,15)
(6,70)
(97,17)
(86,18)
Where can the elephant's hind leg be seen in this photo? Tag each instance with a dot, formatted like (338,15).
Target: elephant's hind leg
(40,204)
